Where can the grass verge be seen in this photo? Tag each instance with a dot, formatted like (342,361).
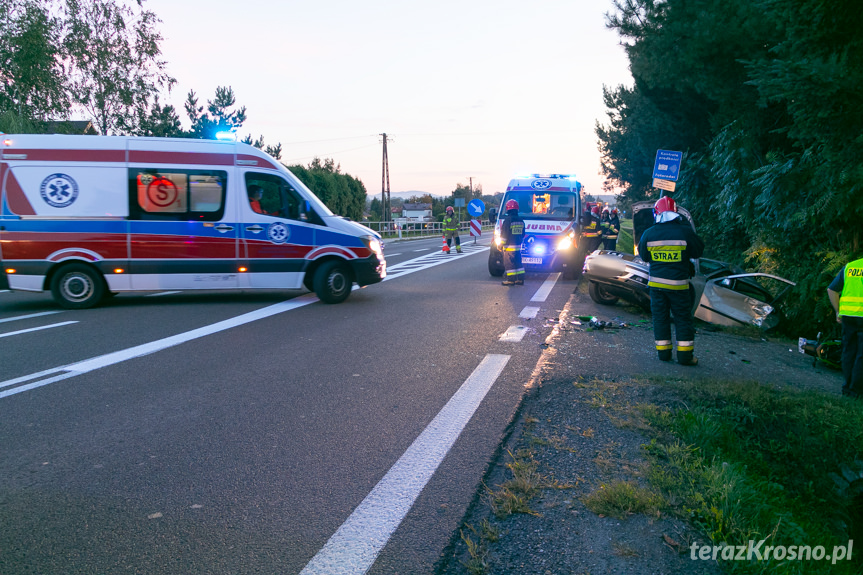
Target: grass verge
(745,462)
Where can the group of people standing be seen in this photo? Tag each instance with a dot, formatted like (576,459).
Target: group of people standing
(600,228)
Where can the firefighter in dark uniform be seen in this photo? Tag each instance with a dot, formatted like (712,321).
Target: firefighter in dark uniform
(612,231)
(591,232)
(846,296)
(667,247)
(511,235)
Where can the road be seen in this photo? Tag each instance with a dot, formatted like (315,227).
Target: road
(261,432)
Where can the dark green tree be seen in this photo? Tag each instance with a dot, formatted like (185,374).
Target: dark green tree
(113,61)
(342,193)
(219,116)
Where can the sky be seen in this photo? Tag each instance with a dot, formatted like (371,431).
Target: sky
(468,92)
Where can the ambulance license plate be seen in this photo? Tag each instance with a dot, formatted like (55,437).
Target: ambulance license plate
(531,260)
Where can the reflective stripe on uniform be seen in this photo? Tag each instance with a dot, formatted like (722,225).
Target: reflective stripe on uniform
(663,283)
(658,243)
(685,345)
(852,306)
(662,344)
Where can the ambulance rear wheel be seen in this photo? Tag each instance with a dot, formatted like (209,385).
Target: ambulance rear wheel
(333,282)
(77,286)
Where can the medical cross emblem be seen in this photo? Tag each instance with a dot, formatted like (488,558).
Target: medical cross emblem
(59,190)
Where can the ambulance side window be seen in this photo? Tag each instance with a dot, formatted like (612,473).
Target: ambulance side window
(280,199)
(176,194)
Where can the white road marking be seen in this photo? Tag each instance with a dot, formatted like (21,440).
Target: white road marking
(162,293)
(41,327)
(391,255)
(428,261)
(85,366)
(101,361)
(529,312)
(545,289)
(422,250)
(514,334)
(28,316)
(355,546)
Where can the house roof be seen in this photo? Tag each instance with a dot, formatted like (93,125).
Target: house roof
(417,206)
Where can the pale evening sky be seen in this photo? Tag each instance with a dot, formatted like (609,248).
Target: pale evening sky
(463,88)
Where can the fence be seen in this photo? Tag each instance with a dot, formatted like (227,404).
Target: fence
(420,229)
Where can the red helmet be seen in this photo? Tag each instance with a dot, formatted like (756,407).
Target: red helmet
(449,209)
(595,211)
(614,211)
(664,204)
(511,205)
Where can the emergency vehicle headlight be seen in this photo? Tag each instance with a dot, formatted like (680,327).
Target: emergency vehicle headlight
(566,242)
(537,249)
(375,245)
(498,241)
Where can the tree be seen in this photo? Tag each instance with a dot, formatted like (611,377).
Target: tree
(219,116)
(160,121)
(32,83)
(113,61)
(342,193)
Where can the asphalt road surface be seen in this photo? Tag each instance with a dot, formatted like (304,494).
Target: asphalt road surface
(261,432)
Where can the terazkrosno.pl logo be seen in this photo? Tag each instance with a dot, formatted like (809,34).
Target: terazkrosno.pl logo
(759,551)
(59,190)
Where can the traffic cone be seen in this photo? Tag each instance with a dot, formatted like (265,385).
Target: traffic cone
(445,247)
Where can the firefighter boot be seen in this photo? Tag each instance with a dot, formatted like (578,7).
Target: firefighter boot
(686,358)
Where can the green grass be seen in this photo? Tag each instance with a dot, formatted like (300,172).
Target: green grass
(747,462)
(624,238)
(623,498)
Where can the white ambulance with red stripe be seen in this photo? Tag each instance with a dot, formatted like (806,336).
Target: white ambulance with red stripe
(550,205)
(84,216)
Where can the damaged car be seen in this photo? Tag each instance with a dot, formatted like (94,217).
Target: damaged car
(722,294)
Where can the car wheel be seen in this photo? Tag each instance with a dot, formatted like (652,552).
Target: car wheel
(77,286)
(333,282)
(495,263)
(600,295)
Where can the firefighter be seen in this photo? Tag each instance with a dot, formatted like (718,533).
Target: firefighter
(512,234)
(591,231)
(612,230)
(668,246)
(450,229)
(846,296)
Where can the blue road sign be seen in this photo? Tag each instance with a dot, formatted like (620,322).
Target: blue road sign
(667,166)
(476,208)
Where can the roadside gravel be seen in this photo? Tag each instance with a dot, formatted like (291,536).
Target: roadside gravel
(574,427)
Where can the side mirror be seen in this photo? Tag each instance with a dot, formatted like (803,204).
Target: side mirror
(492,215)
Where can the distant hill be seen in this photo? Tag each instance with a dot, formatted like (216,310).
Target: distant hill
(403,195)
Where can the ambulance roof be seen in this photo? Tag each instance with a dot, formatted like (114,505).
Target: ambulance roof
(545,182)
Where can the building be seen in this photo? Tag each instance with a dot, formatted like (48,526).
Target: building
(417,212)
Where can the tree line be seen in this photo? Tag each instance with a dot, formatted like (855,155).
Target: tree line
(103,59)
(765,99)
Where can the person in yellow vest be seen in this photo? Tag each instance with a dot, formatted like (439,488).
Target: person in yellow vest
(846,297)
(450,229)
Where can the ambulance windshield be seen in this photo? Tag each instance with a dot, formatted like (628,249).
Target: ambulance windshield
(544,205)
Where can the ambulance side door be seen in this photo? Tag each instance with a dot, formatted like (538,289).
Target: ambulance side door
(182,235)
(277,232)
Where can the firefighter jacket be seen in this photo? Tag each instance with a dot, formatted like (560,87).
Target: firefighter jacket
(851,298)
(450,223)
(613,228)
(590,226)
(668,247)
(512,229)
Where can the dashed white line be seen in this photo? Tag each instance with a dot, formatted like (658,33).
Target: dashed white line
(545,289)
(41,327)
(529,312)
(514,334)
(422,250)
(354,547)
(28,316)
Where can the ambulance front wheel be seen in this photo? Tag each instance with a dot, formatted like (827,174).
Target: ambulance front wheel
(333,282)
(77,286)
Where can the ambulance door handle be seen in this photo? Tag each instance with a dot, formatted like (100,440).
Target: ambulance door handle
(254,229)
(224,228)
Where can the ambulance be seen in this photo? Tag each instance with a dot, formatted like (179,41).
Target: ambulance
(89,216)
(550,206)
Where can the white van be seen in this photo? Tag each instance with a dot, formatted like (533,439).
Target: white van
(550,206)
(83,216)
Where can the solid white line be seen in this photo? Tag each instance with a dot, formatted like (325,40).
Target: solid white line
(41,327)
(28,316)
(529,312)
(545,289)
(514,334)
(162,293)
(357,543)
(145,349)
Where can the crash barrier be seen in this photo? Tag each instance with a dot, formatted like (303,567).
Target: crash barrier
(399,229)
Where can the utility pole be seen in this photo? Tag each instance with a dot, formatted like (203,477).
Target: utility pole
(385,184)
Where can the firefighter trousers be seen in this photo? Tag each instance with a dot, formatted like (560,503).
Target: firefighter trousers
(514,270)
(666,304)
